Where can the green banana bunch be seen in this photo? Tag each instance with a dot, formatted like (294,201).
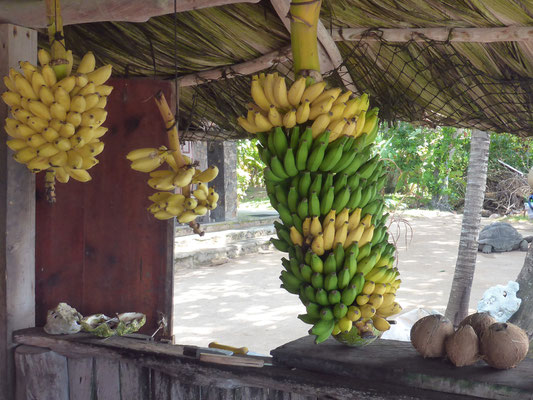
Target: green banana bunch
(326,186)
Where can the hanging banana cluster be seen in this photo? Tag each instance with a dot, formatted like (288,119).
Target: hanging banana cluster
(166,204)
(314,106)
(326,184)
(57,125)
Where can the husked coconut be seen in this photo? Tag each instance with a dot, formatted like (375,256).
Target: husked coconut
(462,348)
(428,335)
(478,321)
(504,345)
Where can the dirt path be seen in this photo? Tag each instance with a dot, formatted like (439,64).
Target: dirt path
(240,303)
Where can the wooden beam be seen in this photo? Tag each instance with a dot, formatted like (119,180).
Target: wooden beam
(31,13)
(479,35)
(246,68)
(330,56)
(17,219)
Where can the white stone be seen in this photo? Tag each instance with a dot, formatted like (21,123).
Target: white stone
(500,301)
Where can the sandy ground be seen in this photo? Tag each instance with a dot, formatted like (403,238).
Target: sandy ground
(241,304)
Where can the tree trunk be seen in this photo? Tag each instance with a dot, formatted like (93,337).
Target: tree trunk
(468,246)
(524,316)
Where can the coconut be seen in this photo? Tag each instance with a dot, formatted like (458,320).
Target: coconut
(462,348)
(428,335)
(478,321)
(504,345)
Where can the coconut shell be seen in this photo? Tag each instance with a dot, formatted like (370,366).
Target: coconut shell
(428,335)
(478,321)
(504,345)
(462,348)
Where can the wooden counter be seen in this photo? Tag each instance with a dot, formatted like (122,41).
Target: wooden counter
(82,366)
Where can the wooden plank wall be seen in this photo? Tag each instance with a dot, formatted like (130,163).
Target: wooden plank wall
(17,218)
(97,248)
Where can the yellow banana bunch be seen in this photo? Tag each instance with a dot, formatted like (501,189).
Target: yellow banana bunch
(58,121)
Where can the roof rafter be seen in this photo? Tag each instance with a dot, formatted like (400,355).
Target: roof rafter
(31,13)
(479,35)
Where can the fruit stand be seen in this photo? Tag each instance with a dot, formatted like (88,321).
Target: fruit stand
(107,247)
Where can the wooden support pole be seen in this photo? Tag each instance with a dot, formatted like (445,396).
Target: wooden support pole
(30,13)
(17,219)
(474,35)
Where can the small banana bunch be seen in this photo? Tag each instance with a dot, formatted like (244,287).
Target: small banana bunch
(311,106)
(57,125)
(167,204)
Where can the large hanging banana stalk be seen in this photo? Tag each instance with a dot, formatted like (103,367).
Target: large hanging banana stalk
(325,182)
(178,172)
(56,116)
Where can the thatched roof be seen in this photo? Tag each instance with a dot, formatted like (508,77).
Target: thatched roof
(482,85)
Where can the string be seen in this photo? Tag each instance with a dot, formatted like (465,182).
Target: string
(176,86)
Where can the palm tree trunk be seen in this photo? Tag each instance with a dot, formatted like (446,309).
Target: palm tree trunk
(524,316)
(468,246)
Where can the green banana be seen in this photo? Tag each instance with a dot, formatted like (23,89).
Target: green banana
(321,297)
(359,282)
(366,264)
(330,265)
(290,282)
(340,310)
(350,262)
(316,157)
(344,162)
(343,278)
(270,176)
(334,297)
(308,255)
(322,139)
(270,144)
(355,199)
(285,215)
(281,245)
(331,281)
(327,184)
(326,313)
(364,251)
(306,318)
(280,142)
(316,185)
(304,183)
(314,205)
(353,248)
(331,158)
(307,136)
(348,295)
(263,139)
(316,263)
(317,280)
(313,310)
(295,268)
(323,332)
(310,293)
(289,163)
(366,195)
(358,160)
(281,196)
(326,202)
(371,208)
(306,272)
(277,168)
(295,137)
(303,209)
(340,182)
(353,181)
(283,234)
(367,168)
(301,156)
(381,181)
(292,199)
(298,254)
(339,253)
(341,200)
(297,221)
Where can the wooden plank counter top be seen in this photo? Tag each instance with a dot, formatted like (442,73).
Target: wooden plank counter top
(395,362)
(299,370)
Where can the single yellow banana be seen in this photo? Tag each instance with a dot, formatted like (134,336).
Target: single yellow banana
(38,164)
(318,244)
(316,227)
(57,111)
(280,92)
(354,235)
(47,150)
(62,97)
(37,81)
(63,144)
(36,140)
(246,125)
(142,153)
(186,217)
(340,235)
(91,149)
(354,219)
(75,160)
(12,99)
(321,108)
(313,91)
(61,175)
(67,130)
(101,75)
(343,98)
(81,80)
(336,128)
(39,109)
(337,111)
(320,124)
(335,92)
(200,210)
(74,118)
(46,95)
(103,90)
(274,117)
(101,131)
(25,155)
(44,57)
(60,159)
(296,91)
(67,83)
(367,220)
(91,101)
(24,88)
(303,111)
(86,90)
(147,164)
(94,117)
(102,102)
(87,63)
(16,144)
(200,194)
(80,175)
(329,234)
(360,124)
(268,89)
(25,131)
(206,176)
(296,237)
(28,69)
(10,84)
(289,119)
(367,236)
(49,76)
(349,128)
(184,176)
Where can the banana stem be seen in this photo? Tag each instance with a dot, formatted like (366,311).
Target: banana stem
(58,51)
(304,16)
(50,185)
(172,131)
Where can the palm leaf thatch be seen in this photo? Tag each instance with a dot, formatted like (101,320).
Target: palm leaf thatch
(482,85)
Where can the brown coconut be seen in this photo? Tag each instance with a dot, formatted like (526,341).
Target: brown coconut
(462,348)
(478,321)
(428,335)
(504,345)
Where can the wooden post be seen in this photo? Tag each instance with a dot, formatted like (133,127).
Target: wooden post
(17,219)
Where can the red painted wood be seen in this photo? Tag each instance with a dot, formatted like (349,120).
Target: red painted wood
(98,248)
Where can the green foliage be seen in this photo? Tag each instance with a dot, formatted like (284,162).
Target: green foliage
(249,166)
(426,165)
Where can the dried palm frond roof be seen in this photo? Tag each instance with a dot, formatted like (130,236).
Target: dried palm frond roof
(482,85)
